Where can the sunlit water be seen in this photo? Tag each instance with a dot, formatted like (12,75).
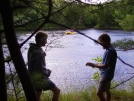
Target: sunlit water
(68,54)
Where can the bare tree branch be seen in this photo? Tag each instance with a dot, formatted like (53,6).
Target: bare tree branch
(122,82)
(33,33)
(50,9)
(61,8)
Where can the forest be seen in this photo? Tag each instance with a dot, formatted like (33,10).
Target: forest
(115,14)
(31,16)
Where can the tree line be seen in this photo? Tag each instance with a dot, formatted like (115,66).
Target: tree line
(116,14)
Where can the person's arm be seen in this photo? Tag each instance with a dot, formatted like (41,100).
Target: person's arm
(41,65)
(101,66)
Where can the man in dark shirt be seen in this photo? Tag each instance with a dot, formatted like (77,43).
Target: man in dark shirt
(107,67)
(37,67)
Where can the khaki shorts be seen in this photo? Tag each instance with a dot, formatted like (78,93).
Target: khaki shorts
(104,85)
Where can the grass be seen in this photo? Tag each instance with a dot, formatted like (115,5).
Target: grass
(71,96)
(85,95)
(90,95)
(122,95)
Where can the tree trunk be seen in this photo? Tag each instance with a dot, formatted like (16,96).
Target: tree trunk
(3,91)
(16,56)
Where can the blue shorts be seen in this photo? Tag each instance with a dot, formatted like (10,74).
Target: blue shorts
(46,84)
(104,85)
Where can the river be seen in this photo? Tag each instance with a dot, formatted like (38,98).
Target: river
(68,54)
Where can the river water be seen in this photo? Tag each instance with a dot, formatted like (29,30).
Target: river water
(68,54)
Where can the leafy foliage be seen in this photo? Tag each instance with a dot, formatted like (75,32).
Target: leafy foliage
(114,14)
(124,44)
(127,23)
(97,59)
(96,75)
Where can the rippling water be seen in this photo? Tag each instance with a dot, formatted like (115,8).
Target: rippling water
(68,54)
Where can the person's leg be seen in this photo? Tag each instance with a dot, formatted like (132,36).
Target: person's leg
(100,95)
(56,93)
(103,90)
(38,93)
(108,95)
(49,85)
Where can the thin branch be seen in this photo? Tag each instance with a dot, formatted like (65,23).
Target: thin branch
(33,33)
(50,9)
(15,92)
(11,78)
(61,8)
(45,49)
(52,42)
(92,40)
(122,82)
(16,26)
(33,7)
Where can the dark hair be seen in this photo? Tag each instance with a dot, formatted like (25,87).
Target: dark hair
(39,35)
(104,37)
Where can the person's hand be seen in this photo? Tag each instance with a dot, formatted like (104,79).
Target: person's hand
(89,64)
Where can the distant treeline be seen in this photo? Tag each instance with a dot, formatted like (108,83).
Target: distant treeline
(117,14)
